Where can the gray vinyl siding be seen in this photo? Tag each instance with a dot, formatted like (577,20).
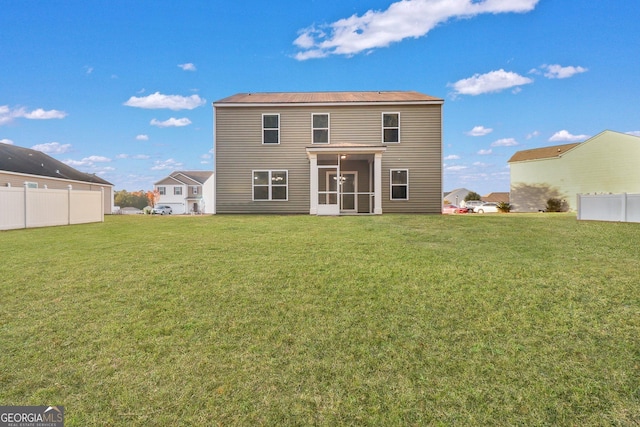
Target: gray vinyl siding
(239,151)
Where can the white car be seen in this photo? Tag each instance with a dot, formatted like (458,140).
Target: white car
(162,209)
(486,207)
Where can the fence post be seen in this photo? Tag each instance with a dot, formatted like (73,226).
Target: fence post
(624,207)
(579,210)
(69,204)
(26,205)
(102,203)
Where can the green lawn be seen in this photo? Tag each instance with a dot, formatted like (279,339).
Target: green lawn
(302,320)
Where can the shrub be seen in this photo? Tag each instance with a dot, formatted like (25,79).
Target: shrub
(557,205)
(504,207)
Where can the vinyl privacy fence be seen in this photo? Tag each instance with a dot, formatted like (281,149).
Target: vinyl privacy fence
(609,207)
(41,207)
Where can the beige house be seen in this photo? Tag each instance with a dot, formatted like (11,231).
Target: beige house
(328,153)
(187,191)
(605,163)
(21,166)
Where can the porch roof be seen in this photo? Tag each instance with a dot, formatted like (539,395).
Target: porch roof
(345,149)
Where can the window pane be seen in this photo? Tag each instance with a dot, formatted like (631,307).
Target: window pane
(261,193)
(321,121)
(399,192)
(261,178)
(399,177)
(279,178)
(278,193)
(390,120)
(270,121)
(270,136)
(391,135)
(320,136)
(177,191)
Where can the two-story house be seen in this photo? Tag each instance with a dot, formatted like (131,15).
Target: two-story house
(328,153)
(187,192)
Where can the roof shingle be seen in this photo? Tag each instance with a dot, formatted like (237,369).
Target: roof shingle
(328,97)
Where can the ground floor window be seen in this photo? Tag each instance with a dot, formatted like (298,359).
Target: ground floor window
(399,184)
(270,185)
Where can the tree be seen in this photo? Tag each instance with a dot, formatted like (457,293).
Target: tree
(472,196)
(124,199)
(153,197)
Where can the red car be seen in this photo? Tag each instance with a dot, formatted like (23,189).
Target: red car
(453,209)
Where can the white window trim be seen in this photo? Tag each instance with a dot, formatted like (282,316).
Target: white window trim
(175,188)
(328,128)
(383,127)
(264,128)
(162,190)
(269,185)
(391,185)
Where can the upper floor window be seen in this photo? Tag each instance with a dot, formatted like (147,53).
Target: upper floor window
(399,184)
(271,128)
(194,189)
(390,127)
(162,190)
(270,185)
(31,184)
(177,191)
(320,124)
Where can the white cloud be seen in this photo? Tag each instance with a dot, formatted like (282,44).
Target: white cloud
(168,164)
(455,168)
(504,142)
(403,19)
(142,137)
(7,115)
(89,162)
(452,157)
(6,141)
(485,152)
(188,66)
(634,133)
(494,81)
(480,164)
(172,102)
(533,134)
(479,131)
(52,148)
(565,136)
(41,114)
(556,71)
(172,122)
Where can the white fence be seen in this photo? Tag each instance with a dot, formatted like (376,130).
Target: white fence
(41,207)
(609,207)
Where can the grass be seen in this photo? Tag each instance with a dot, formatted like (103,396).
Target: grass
(302,320)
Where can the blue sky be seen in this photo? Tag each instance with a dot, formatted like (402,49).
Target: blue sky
(124,89)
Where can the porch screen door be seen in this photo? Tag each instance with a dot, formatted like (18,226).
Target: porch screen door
(328,190)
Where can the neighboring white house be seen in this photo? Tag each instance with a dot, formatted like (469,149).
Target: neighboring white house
(187,192)
(605,163)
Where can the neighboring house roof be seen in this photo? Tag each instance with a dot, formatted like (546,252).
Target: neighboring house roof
(32,162)
(457,195)
(542,153)
(328,98)
(181,177)
(496,197)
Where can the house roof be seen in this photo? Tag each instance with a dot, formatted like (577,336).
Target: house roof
(199,177)
(496,197)
(542,153)
(371,97)
(32,162)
